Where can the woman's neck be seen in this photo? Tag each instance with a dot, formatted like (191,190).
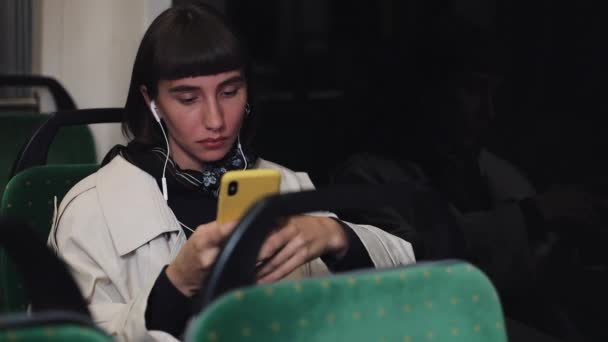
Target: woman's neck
(183,159)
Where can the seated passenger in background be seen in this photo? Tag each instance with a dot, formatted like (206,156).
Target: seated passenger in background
(506,225)
(138,258)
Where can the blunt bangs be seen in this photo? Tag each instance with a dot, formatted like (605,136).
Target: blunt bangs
(195,44)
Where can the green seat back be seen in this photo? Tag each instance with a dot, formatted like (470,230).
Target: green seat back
(30,195)
(72,144)
(58,333)
(447,301)
(50,326)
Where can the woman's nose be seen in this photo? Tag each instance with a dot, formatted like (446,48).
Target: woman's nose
(213,119)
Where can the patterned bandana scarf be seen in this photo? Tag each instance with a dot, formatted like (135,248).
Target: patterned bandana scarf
(152,160)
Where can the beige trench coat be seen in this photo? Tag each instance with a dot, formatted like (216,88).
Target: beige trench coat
(116,233)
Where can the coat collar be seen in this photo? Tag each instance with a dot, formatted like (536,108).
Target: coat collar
(132,205)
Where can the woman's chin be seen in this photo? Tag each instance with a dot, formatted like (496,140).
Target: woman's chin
(212,156)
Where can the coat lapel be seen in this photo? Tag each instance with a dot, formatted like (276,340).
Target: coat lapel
(133,206)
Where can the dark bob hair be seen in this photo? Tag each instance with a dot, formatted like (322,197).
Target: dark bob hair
(183,41)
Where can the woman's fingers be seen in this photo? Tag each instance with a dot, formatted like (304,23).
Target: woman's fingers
(226,229)
(207,257)
(285,268)
(282,256)
(276,242)
(212,234)
(300,241)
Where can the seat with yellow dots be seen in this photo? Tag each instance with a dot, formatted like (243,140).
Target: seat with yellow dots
(31,192)
(72,144)
(441,301)
(50,326)
(58,312)
(30,195)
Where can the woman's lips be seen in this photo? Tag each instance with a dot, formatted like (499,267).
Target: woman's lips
(213,144)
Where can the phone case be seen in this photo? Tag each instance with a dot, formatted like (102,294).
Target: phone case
(252,185)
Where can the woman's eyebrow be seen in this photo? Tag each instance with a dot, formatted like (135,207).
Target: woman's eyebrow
(232,80)
(182,89)
(189,88)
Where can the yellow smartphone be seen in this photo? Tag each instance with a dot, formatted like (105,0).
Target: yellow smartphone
(239,190)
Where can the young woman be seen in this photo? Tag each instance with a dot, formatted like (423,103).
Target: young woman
(140,250)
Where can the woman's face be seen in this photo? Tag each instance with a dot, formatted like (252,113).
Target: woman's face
(203,116)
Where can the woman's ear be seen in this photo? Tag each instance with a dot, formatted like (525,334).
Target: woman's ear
(150,104)
(144,92)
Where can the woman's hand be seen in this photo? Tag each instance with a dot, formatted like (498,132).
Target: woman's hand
(197,256)
(300,240)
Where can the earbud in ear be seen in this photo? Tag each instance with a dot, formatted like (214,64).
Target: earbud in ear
(154,112)
(247,108)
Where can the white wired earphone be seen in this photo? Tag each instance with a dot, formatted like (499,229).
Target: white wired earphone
(163,179)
